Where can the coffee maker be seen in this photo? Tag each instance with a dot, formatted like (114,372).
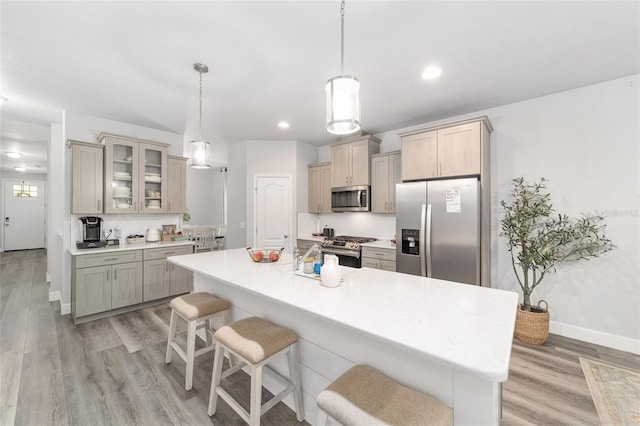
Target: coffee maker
(91,233)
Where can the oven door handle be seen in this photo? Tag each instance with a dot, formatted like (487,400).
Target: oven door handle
(350,253)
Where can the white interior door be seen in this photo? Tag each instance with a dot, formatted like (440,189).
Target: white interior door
(272,212)
(24,214)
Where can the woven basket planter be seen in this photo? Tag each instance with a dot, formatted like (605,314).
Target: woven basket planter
(532,327)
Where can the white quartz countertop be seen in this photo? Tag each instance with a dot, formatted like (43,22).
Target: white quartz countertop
(465,327)
(125,246)
(384,244)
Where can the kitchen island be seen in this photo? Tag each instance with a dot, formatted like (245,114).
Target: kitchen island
(448,339)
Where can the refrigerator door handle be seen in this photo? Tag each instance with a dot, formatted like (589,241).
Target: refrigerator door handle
(423,222)
(428,242)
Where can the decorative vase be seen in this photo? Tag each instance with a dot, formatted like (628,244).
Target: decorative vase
(532,327)
(330,272)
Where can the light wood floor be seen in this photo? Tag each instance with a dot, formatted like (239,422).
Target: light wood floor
(112,371)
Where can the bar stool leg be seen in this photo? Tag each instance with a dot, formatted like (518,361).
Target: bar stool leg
(191,348)
(215,379)
(294,372)
(256,395)
(172,336)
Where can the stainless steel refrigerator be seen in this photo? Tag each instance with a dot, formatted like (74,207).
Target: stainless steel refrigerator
(438,229)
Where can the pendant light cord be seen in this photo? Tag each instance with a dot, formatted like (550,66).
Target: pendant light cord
(342,38)
(200,117)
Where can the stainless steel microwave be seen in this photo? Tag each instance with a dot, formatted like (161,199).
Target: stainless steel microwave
(351,199)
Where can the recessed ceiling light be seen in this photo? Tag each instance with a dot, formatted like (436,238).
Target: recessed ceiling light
(431,72)
(283,125)
(20,168)
(14,155)
(3,100)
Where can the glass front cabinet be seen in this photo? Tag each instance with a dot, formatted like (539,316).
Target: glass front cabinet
(135,175)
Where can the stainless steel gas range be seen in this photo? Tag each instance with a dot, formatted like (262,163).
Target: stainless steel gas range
(347,248)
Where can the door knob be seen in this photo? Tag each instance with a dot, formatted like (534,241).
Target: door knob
(286,236)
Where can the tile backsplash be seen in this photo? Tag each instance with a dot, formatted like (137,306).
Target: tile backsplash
(381,226)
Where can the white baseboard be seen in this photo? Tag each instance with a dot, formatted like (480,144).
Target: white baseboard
(614,341)
(54,295)
(65,309)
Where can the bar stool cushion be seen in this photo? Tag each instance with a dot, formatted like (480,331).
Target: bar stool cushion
(196,305)
(363,395)
(255,339)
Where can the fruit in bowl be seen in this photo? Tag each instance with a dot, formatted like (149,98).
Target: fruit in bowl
(268,255)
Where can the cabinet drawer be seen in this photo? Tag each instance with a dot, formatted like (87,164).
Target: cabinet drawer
(100,259)
(164,252)
(379,253)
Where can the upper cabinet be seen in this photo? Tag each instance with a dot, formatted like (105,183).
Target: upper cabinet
(445,151)
(87,178)
(350,160)
(320,188)
(176,184)
(385,173)
(135,175)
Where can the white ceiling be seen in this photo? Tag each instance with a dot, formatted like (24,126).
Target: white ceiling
(269,61)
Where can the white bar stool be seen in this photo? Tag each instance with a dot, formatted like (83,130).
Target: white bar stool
(365,396)
(255,342)
(198,310)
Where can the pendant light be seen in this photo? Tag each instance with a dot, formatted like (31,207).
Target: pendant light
(200,148)
(343,96)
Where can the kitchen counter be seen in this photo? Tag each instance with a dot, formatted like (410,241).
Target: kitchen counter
(384,244)
(452,340)
(125,246)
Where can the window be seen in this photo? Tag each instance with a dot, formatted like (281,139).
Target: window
(25,190)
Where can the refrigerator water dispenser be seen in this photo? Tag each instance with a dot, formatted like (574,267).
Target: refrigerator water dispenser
(411,241)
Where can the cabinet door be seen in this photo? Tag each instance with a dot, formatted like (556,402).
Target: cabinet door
(179,280)
(155,279)
(315,189)
(380,184)
(87,177)
(388,265)
(121,176)
(325,189)
(93,290)
(153,180)
(395,176)
(420,156)
(340,165)
(126,284)
(359,162)
(370,263)
(459,150)
(176,185)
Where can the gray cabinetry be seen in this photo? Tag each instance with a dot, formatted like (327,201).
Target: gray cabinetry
(350,160)
(135,175)
(87,178)
(105,281)
(176,184)
(320,188)
(379,258)
(163,279)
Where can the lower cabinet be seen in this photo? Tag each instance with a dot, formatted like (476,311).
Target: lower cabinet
(379,258)
(163,279)
(107,281)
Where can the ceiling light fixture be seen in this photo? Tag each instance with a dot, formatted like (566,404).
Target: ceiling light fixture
(200,148)
(14,155)
(343,96)
(3,100)
(431,72)
(283,125)
(20,168)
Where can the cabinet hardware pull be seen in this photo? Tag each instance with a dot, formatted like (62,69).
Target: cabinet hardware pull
(169,252)
(390,205)
(107,274)
(111,260)
(115,274)
(98,204)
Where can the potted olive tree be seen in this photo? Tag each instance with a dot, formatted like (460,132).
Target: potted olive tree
(539,240)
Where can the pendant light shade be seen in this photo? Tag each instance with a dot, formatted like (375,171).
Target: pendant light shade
(199,155)
(343,96)
(343,105)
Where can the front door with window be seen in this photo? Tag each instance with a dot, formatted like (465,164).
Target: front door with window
(24,214)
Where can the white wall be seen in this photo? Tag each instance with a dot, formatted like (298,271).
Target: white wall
(237,195)
(205,196)
(56,211)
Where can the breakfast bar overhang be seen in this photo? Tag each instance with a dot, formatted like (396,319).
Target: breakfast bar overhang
(449,339)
